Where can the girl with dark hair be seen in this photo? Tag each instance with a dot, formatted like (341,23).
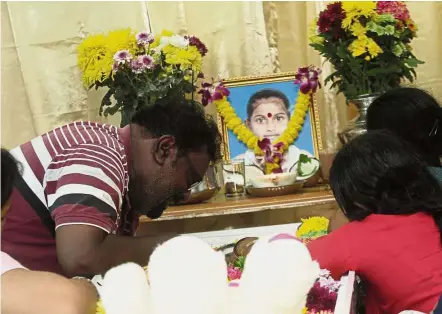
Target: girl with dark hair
(415,116)
(393,240)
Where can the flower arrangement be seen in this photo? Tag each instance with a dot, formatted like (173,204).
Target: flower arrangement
(270,153)
(323,295)
(140,69)
(368,43)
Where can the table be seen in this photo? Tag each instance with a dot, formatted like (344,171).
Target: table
(220,213)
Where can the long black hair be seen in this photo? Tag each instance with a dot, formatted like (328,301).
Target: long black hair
(412,114)
(379,173)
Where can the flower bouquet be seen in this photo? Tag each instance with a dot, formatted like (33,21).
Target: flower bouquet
(323,295)
(368,43)
(140,69)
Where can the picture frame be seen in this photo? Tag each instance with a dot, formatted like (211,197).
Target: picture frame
(242,88)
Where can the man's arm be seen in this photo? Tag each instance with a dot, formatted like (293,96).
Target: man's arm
(25,291)
(84,250)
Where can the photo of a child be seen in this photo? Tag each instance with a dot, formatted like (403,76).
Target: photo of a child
(268,114)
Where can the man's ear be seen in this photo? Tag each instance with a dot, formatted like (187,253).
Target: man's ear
(164,148)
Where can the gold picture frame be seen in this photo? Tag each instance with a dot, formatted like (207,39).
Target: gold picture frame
(268,79)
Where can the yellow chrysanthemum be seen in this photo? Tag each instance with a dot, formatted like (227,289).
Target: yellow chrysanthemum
(94,59)
(355,9)
(122,39)
(359,46)
(304,310)
(373,48)
(358,30)
(186,58)
(312,227)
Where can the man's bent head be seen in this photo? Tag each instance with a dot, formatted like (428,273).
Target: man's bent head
(172,144)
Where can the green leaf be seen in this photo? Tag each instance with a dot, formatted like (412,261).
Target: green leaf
(303,158)
(112,110)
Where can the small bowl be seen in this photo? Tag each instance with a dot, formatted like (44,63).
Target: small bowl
(276,191)
(273,180)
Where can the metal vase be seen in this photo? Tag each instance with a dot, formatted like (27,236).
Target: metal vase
(357,125)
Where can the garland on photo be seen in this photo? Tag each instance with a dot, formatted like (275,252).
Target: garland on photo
(272,153)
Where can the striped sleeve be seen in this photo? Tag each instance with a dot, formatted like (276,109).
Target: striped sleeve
(84,185)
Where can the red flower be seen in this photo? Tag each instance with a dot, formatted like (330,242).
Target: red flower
(330,20)
(195,41)
(396,8)
(321,299)
(234,273)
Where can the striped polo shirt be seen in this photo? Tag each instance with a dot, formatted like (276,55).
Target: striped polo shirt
(75,174)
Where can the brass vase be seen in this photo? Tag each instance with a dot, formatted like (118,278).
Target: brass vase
(357,125)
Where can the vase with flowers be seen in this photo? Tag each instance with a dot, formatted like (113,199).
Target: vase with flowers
(140,69)
(368,44)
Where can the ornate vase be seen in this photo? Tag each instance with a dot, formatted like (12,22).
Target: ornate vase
(357,126)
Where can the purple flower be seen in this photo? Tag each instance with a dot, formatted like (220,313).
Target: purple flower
(144,38)
(122,57)
(308,79)
(147,61)
(271,152)
(142,63)
(212,91)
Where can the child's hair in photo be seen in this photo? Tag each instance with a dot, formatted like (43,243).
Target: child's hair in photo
(264,94)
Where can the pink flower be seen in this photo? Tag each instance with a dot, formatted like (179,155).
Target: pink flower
(308,79)
(142,63)
(122,57)
(147,61)
(233,273)
(396,8)
(144,38)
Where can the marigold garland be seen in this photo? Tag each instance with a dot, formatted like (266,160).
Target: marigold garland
(307,79)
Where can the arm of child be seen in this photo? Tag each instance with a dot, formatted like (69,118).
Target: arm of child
(332,253)
(34,292)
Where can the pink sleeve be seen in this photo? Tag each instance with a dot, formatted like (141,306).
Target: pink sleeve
(8,263)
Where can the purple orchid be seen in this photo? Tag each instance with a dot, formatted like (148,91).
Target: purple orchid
(212,91)
(308,79)
(271,152)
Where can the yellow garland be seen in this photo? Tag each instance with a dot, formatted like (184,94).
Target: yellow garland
(245,135)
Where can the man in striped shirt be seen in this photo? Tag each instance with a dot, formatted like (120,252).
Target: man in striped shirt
(84,185)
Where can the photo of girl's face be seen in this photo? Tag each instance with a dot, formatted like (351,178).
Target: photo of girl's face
(269,118)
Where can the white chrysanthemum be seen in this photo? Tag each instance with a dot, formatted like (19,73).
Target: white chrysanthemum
(179,41)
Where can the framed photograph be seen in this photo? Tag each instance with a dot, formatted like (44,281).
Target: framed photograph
(265,104)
